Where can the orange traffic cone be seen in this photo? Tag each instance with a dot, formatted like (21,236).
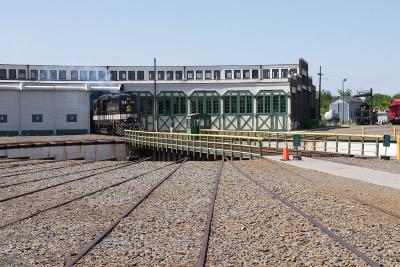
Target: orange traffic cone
(285,153)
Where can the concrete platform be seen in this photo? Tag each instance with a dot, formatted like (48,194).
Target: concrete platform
(344,170)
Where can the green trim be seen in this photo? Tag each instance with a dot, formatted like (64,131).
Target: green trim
(8,133)
(71,131)
(37,132)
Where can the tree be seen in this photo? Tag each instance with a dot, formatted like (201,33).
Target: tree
(396,96)
(326,99)
(380,101)
(345,92)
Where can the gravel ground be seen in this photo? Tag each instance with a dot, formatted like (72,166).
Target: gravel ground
(52,138)
(53,237)
(259,231)
(166,229)
(372,163)
(376,235)
(249,227)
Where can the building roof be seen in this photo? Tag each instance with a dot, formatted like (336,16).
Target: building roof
(349,99)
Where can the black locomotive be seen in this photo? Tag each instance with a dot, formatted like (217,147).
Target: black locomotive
(113,114)
(363,115)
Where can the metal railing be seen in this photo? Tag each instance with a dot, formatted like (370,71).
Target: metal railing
(209,144)
(352,144)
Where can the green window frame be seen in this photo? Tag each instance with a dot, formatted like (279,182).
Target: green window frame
(238,103)
(3,118)
(72,117)
(205,102)
(37,117)
(170,103)
(274,102)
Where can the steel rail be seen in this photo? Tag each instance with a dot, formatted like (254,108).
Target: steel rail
(69,181)
(371,205)
(207,231)
(18,173)
(60,175)
(16,165)
(313,221)
(91,244)
(86,195)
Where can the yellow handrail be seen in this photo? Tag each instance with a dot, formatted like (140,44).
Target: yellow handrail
(292,133)
(200,135)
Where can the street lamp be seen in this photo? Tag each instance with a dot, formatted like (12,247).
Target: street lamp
(343,81)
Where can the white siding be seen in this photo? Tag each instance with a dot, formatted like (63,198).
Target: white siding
(72,102)
(37,102)
(9,106)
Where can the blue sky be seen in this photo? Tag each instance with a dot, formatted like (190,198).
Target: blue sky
(355,39)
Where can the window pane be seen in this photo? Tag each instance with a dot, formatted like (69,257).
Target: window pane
(176,105)
(201,105)
(249,104)
(140,75)
(74,75)
(260,104)
(151,75)
(284,73)
(92,75)
(227,106)
(275,73)
(183,105)
(131,75)
(53,75)
(161,75)
(238,74)
(21,74)
(199,74)
(208,105)
(190,75)
(246,74)
(12,74)
(217,74)
(3,74)
(242,105)
(122,75)
(170,75)
(178,75)
(167,105)
(83,75)
(62,74)
(234,104)
(37,118)
(216,105)
(266,74)
(228,74)
(283,104)
(161,106)
(268,104)
(72,117)
(43,74)
(293,72)
(208,74)
(193,106)
(275,100)
(254,74)
(3,118)
(34,74)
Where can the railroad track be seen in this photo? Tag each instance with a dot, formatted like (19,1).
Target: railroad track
(91,193)
(356,199)
(308,217)
(60,175)
(24,163)
(32,170)
(70,181)
(100,236)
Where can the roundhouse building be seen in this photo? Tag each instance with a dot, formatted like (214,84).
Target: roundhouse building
(49,99)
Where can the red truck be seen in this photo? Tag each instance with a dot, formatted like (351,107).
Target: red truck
(394,111)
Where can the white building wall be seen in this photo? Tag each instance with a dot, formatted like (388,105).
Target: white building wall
(9,105)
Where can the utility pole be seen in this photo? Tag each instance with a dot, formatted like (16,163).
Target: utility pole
(371,108)
(343,81)
(155,119)
(319,90)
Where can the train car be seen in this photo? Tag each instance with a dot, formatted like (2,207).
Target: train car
(113,114)
(394,111)
(362,115)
